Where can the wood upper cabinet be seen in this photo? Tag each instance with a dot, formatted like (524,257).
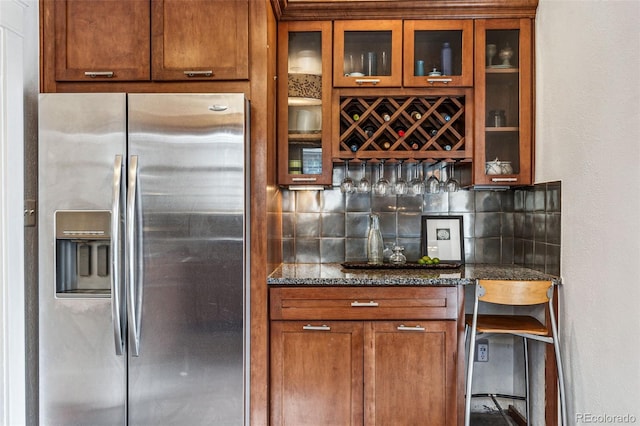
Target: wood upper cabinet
(143,40)
(101,39)
(366,356)
(503,102)
(200,39)
(367,53)
(304,103)
(438,53)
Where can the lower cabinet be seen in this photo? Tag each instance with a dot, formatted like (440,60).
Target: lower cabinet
(367,369)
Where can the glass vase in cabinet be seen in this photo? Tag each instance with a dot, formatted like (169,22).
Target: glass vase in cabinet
(367,54)
(438,53)
(304,102)
(504,102)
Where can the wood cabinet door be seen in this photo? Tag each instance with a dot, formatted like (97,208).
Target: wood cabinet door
(304,107)
(504,102)
(200,39)
(316,373)
(410,373)
(97,39)
(367,53)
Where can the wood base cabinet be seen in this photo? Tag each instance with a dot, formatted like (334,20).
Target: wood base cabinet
(366,369)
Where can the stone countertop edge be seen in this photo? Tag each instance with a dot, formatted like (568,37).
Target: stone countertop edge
(334,274)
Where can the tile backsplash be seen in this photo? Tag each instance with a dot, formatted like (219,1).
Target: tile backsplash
(518,226)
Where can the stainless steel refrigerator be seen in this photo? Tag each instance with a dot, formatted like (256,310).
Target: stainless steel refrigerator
(143,266)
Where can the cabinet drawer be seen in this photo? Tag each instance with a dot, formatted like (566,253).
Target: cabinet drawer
(374,303)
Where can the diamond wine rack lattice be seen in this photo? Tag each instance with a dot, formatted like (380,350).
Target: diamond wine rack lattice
(403,127)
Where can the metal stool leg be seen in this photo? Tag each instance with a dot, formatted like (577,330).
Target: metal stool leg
(526,380)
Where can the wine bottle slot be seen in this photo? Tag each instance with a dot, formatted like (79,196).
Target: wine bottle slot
(354,144)
(369,131)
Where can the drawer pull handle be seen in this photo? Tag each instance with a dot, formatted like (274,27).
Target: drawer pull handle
(357,304)
(405,328)
(304,179)
(316,327)
(94,74)
(439,80)
(505,179)
(373,81)
(207,73)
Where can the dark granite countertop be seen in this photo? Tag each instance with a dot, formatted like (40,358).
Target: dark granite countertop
(334,274)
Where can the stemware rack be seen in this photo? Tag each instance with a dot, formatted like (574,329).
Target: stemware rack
(401,127)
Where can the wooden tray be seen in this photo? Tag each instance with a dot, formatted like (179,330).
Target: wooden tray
(408,265)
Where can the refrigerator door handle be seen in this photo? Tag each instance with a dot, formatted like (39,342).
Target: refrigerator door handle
(115,245)
(134,255)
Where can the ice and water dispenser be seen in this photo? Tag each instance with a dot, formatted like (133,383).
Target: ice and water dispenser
(83,253)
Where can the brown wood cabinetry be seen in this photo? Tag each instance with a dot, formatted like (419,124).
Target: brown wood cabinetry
(365,355)
(142,40)
(200,39)
(367,53)
(503,102)
(101,39)
(304,108)
(424,41)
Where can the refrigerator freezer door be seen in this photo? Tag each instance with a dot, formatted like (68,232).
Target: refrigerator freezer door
(82,380)
(191,180)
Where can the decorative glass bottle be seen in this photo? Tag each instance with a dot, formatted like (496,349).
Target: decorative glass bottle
(375,246)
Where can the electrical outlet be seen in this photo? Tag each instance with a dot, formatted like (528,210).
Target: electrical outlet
(482,351)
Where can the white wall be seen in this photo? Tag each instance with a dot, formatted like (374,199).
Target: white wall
(12,321)
(588,136)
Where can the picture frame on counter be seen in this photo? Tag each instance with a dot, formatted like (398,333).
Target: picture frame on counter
(442,237)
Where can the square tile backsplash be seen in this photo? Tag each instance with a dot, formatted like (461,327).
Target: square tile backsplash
(518,226)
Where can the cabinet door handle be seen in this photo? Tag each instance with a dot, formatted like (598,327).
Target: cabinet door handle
(361,81)
(322,327)
(94,74)
(357,304)
(403,327)
(304,179)
(505,179)
(207,73)
(439,80)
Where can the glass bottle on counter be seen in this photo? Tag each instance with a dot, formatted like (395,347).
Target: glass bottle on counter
(375,246)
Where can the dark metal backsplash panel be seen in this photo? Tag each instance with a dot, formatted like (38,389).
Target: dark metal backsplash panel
(519,226)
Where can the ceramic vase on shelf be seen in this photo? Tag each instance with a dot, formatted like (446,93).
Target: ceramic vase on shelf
(491,52)
(505,54)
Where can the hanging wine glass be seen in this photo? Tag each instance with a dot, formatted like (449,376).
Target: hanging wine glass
(416,185)
(381,187)
(401,187)
(347,186)
(432,185)
(364,186)
(452,185)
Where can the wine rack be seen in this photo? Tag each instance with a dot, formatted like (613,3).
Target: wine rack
(401,127)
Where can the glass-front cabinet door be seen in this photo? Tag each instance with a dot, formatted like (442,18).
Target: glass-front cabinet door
(304,103)
(438,53)
(367,54)
(504,102)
